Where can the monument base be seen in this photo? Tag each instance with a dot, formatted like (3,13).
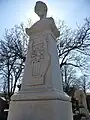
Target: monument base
(40,108)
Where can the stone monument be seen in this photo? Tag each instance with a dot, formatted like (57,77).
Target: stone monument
(41,96)
(81,97)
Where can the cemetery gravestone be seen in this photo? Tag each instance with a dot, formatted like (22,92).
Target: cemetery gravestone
(41,96)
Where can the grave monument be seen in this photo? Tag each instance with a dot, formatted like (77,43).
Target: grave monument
(80,96)
(41,96)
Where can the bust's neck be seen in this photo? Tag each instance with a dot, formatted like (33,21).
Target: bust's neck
(42,17)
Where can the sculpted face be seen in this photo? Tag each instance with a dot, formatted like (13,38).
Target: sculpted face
(41,9)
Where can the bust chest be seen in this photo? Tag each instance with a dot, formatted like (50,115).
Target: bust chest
(41,26)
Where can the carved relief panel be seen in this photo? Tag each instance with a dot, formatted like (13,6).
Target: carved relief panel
(39,60)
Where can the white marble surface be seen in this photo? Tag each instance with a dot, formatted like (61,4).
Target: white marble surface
(40,110)
(42,64)
(41,96)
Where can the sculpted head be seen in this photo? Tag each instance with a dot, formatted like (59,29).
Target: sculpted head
(41,9)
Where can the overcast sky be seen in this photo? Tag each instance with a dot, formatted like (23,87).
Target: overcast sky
(16,11)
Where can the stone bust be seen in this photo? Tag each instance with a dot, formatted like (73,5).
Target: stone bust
(41,10)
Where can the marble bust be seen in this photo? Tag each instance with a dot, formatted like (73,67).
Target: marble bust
(44,22)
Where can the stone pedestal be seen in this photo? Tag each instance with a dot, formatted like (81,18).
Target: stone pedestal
(41,96)
(40,110)
(51,105)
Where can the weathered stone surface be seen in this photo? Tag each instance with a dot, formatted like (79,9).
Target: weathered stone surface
(41,96)
(81,97)
(40,110)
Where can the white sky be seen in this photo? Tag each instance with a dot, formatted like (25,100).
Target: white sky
(16,11)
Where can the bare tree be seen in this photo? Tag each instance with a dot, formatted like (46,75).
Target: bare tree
(69,77)
(13,50)
(83,82)
(77,41)
(74,52)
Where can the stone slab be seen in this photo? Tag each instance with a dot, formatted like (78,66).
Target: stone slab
(40,110)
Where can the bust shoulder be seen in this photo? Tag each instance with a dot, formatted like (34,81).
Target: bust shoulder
(51,18)
(44,24)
